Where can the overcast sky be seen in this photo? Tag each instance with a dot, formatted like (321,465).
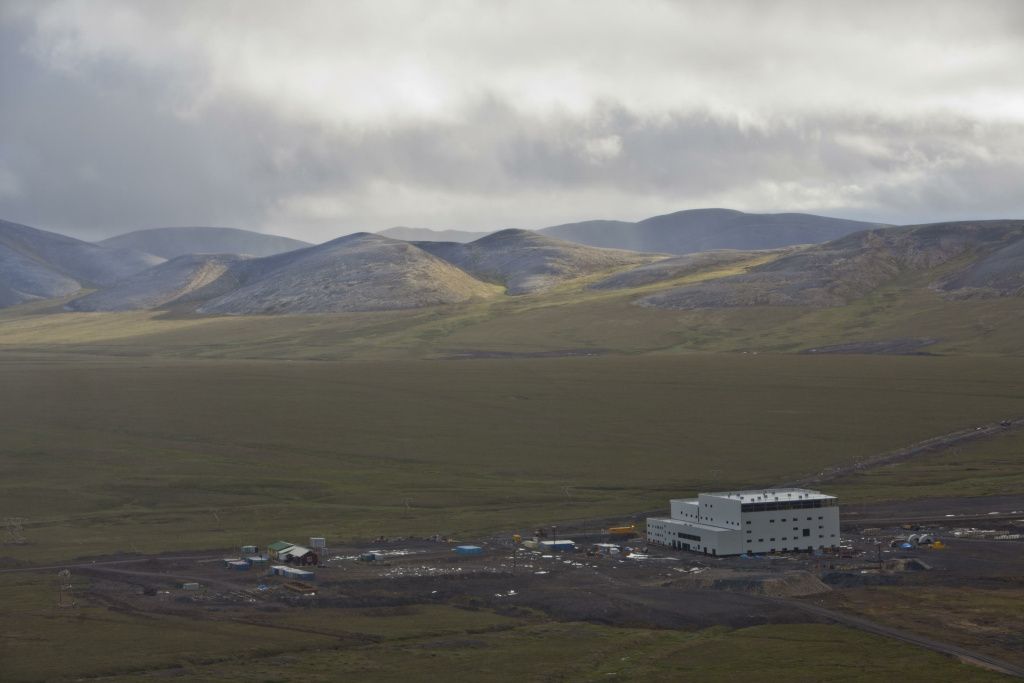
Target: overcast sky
(316,119)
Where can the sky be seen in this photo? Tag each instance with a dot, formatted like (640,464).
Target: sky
(317,119)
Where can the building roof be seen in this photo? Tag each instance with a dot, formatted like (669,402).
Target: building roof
(295,551)
(762,495)
(279,545)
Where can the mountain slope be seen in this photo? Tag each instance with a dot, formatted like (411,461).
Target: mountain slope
(173,242)
(36,264)
(429,235)
(525,261)
(360,272)
(843,270)
(685,232)
(681,266)
(1000,273)
(179,280)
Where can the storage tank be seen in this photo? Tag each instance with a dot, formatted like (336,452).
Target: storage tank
(468,550)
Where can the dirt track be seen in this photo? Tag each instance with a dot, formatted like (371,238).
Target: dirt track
(936,444)
(863,624)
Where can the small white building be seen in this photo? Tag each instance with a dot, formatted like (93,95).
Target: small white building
(737,522)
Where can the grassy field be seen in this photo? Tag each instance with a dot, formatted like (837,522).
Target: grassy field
(985,619)
(986,468)
(150,455)
(153,431)
(586,652)
(423,642)
(569,317)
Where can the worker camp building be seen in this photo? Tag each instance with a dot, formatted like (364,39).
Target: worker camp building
(737,522)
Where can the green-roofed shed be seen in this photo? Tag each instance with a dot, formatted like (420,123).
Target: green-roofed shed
(276,547)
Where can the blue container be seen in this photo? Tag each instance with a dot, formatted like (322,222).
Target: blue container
(469,550)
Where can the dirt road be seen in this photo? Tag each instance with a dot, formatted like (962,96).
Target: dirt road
(969,656)
(936,444)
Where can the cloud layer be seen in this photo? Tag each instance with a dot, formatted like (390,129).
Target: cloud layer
(315,119)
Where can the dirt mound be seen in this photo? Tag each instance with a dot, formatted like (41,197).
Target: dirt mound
(789,584)
(884,346)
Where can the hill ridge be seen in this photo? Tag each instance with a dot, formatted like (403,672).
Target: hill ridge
(174,241)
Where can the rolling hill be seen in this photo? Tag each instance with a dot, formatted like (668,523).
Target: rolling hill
(186,278)
(429,235)
(36,264)
(360,272)
(525,261)
(173,242)
(685,232)
(838,272)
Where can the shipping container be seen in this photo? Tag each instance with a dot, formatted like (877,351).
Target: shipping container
(559,546)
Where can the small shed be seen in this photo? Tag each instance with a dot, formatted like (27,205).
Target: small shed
(239,565)
(275,548)
(249,550)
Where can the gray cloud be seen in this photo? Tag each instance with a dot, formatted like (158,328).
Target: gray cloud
(321,122)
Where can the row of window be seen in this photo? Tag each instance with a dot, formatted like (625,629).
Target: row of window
(790,505)
(772,521)
(772,540)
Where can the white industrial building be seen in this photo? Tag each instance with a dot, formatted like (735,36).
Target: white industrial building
(737,522)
